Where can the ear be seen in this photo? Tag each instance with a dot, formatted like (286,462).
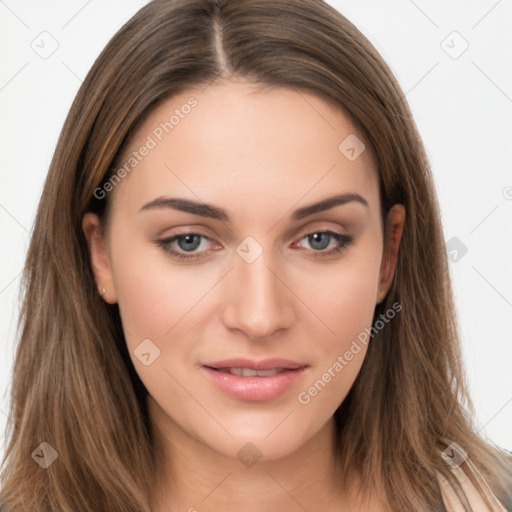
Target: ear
(99,257)
(393,233)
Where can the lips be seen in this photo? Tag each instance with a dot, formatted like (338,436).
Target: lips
(249,372)
(252,380)
(264,364)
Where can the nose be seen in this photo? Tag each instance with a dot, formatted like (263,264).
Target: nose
(258,301)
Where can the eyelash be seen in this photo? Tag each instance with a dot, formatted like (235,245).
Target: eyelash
(343,242)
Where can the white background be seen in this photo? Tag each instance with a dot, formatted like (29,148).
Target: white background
(463,107)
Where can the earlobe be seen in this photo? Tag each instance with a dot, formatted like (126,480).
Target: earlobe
(393,234)
(99,257)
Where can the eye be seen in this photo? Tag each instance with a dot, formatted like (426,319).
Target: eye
(320,240)
(186,244)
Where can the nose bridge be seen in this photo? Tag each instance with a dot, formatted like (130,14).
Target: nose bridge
(258,303)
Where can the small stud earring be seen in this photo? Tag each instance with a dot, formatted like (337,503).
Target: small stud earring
(103,291)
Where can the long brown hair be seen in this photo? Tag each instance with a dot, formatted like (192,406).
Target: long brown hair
(74,386)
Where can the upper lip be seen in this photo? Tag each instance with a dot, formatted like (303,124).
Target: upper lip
(264,364)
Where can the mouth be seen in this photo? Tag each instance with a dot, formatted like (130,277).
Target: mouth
(249,372)
(255,381)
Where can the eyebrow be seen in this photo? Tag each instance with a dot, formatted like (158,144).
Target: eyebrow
(214,212)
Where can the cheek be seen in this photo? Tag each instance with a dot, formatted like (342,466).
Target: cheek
(158,301)
(344,296)
(153,294)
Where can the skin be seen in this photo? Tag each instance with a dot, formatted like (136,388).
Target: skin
(259,155)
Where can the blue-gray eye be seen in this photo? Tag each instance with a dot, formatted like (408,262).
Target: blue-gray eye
(319,240)
(189,242)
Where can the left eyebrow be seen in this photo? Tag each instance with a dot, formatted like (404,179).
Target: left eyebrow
(327,204)
(214,212)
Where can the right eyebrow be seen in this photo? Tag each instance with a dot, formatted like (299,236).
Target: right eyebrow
(215,212)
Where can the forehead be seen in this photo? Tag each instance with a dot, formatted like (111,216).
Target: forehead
(233,142)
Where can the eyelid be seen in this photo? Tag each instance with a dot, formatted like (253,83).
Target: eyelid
(165,245)
(343,241)
(320,229)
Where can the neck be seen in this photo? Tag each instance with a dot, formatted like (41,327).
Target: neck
(193,476)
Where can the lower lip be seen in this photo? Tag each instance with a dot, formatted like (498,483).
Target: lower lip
(254,388)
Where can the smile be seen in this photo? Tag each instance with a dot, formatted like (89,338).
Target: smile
(254,385)
(249,372)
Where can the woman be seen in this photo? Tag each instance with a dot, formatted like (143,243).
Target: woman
(237,294)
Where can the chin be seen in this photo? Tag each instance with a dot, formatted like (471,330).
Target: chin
(265,444)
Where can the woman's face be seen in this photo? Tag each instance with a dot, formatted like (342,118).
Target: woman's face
(250,276)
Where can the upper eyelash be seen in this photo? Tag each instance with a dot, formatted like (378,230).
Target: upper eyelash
(345,240)
(165,243)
